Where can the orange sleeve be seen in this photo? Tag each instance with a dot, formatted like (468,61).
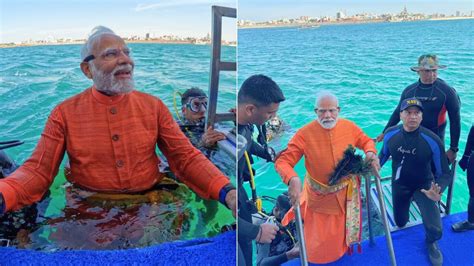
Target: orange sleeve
(363,141)
(28,183)
(187,162)
(289,158)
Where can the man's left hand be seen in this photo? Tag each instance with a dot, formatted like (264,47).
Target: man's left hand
(434,193)
(451,155)
(231,201)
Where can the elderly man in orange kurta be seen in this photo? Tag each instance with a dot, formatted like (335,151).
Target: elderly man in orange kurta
(110,132)
(331,214)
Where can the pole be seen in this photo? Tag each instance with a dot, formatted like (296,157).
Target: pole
(300,230)
(369,214)
(388,235)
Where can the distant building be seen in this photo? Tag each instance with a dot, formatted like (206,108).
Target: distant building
(340,15)
(458,14)
(147,36)
(404,13)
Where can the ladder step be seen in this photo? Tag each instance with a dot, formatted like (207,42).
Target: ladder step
(227,66)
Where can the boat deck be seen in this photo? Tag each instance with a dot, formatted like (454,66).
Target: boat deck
(410,249)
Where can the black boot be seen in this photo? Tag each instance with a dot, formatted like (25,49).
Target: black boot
(470,210)
(462,226)
(436,257)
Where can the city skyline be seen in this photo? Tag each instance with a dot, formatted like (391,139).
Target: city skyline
(25,20)
(341,17)
(277,9)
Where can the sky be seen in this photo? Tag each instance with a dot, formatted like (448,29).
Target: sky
(276,9)
(22,20)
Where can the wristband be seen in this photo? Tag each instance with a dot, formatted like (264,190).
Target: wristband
(223,193)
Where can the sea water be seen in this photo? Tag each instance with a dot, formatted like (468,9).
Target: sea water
(367,66)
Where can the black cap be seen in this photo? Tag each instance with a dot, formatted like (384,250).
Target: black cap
(283,202)
(411,102)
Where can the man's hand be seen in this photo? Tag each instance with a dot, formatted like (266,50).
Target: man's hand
(294,190)
(211,137)
(231,201)
(451,155)
(380,137)
(267,233)
(294,252)
(373,159)
(434,193)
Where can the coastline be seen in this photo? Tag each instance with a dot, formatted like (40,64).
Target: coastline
(80,42)
(337,23)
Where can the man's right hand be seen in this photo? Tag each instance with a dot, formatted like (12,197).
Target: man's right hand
(380,137)
(267,233)
(294,190)
(211,137)
(294,252)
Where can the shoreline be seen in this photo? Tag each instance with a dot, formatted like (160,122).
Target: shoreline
(338,23)
(81,42)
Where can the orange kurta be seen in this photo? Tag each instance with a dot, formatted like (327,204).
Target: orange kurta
(111,144)
(323,214)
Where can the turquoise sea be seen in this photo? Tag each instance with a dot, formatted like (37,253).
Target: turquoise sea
(367,66)
(35,79)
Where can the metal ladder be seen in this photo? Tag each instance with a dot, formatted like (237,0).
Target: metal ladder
(217,65)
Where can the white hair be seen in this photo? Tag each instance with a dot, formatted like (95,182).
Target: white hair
(325,95)
(93,37)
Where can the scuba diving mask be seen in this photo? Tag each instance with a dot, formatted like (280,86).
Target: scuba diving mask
(197,104)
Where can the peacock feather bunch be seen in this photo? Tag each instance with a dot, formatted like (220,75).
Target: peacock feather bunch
(350,164)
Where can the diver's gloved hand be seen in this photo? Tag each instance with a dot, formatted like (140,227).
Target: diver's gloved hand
(463,162)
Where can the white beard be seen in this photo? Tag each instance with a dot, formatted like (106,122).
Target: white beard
(328,124)
(108,84)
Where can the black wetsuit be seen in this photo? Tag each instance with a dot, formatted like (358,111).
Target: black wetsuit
(467,163)
(413,156)
(194,132)
(437,99)
(247,231)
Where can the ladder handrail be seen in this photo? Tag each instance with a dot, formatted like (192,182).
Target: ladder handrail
(383,211)
(217,65)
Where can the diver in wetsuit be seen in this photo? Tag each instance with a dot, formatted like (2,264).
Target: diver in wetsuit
(259,98)
(467,163)
(283,248)
(415,150)
(193,108)
(437,98)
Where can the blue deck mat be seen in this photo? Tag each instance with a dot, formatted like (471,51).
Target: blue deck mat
(219,250)
(410,248)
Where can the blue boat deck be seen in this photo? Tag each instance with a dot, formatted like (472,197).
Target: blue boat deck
(219,250)
(410,249)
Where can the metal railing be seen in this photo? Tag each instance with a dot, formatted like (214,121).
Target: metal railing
(217,65)
(383,213)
